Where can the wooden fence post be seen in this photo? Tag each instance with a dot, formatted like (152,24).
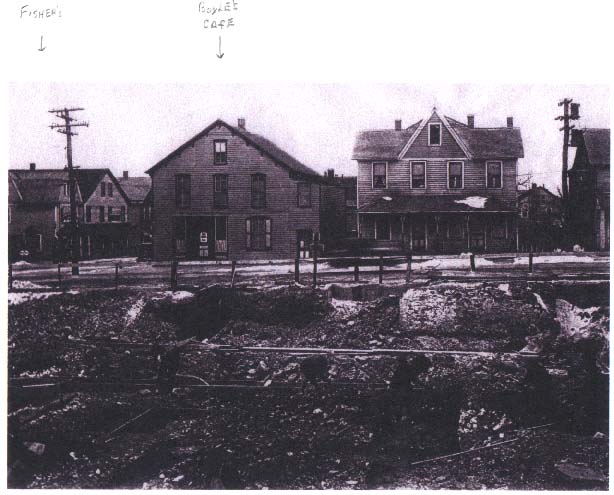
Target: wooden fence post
(10,275)
(116,276)
(60,276)
(356,271)
(472,262)
(531,262)
(408,276)
(315,260)
(174,264)
(297,273)
(381,269)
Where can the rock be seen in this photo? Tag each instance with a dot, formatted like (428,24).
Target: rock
(581,473)
(144,391)
(178,478)
(599,436)
(37,448)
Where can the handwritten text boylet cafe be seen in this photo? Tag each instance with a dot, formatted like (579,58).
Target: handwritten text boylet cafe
(218,15)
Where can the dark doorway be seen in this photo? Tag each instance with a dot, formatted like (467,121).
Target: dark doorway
(382,228)
(200,238)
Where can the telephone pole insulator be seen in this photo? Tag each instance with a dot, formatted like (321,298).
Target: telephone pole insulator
(66,128)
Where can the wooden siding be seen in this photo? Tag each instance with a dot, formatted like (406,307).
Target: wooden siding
(474,177)
(96,200)
(420,148)
(243,160)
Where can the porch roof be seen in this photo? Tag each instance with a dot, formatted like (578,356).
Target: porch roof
(436,204)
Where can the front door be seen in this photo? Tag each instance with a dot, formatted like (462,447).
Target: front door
(200,238)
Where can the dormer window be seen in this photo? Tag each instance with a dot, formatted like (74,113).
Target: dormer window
(434,134)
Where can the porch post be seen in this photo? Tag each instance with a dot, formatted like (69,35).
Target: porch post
(426,234)
(411,234)
(403,231)
(486,221)
(468,233)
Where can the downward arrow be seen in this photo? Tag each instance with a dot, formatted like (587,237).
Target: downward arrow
(41,48)
(220,54)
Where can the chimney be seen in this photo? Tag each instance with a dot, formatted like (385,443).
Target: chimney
(125,174)
(330,173)
(398,125)
(32,166)
(534,186)
(470,121)
(510,122)
(241,124)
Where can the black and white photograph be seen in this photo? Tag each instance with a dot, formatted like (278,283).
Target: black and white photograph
(346,284)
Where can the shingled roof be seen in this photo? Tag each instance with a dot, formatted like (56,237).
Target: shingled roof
(136,188)
(435,204)
(597,142)
(37,187)
(481,142)
(260,143)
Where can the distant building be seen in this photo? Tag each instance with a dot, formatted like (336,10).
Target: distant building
(109,221)
(438,186)
(138,189)
(230,193)
(38,210)
(540,225)
(338,215)
(589,189)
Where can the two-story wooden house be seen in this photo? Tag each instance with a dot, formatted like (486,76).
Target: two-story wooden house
(439,185)
(540,225)
(589,189)
(38,211)
(230,193)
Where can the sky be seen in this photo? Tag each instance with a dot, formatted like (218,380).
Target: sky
(132,125)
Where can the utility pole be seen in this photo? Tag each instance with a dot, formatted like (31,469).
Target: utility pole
(66,128)
(571,111)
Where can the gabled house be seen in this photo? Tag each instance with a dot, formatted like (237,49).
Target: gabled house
(438,186)
(230,193)
(337,210)
(589,189)
(38,211)
(540,220)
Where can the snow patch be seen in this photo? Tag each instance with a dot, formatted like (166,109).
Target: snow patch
(180,295)
(473,201)
(555,259)
(15,298)
(135,311)
(541,302)
(505,288)
(26,284)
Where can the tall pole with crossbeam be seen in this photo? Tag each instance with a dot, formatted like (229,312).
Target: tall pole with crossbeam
(66,128)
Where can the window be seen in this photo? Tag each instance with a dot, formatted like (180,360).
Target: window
(183,190)
(434,134)
(350,196)
(103,189)
(117,214)
(101,213)
(418,175)
(258,191)
(304,195)
(499,230)
(65,214)
(542,200)
(109,189)
(493,175)
(220,156)
(65,189)
(380,180)
(221,233)
(220,191)
(455,175)
(524,210)
(258,233)
(88,214)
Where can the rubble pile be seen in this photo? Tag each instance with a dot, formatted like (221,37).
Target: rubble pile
(351,429)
